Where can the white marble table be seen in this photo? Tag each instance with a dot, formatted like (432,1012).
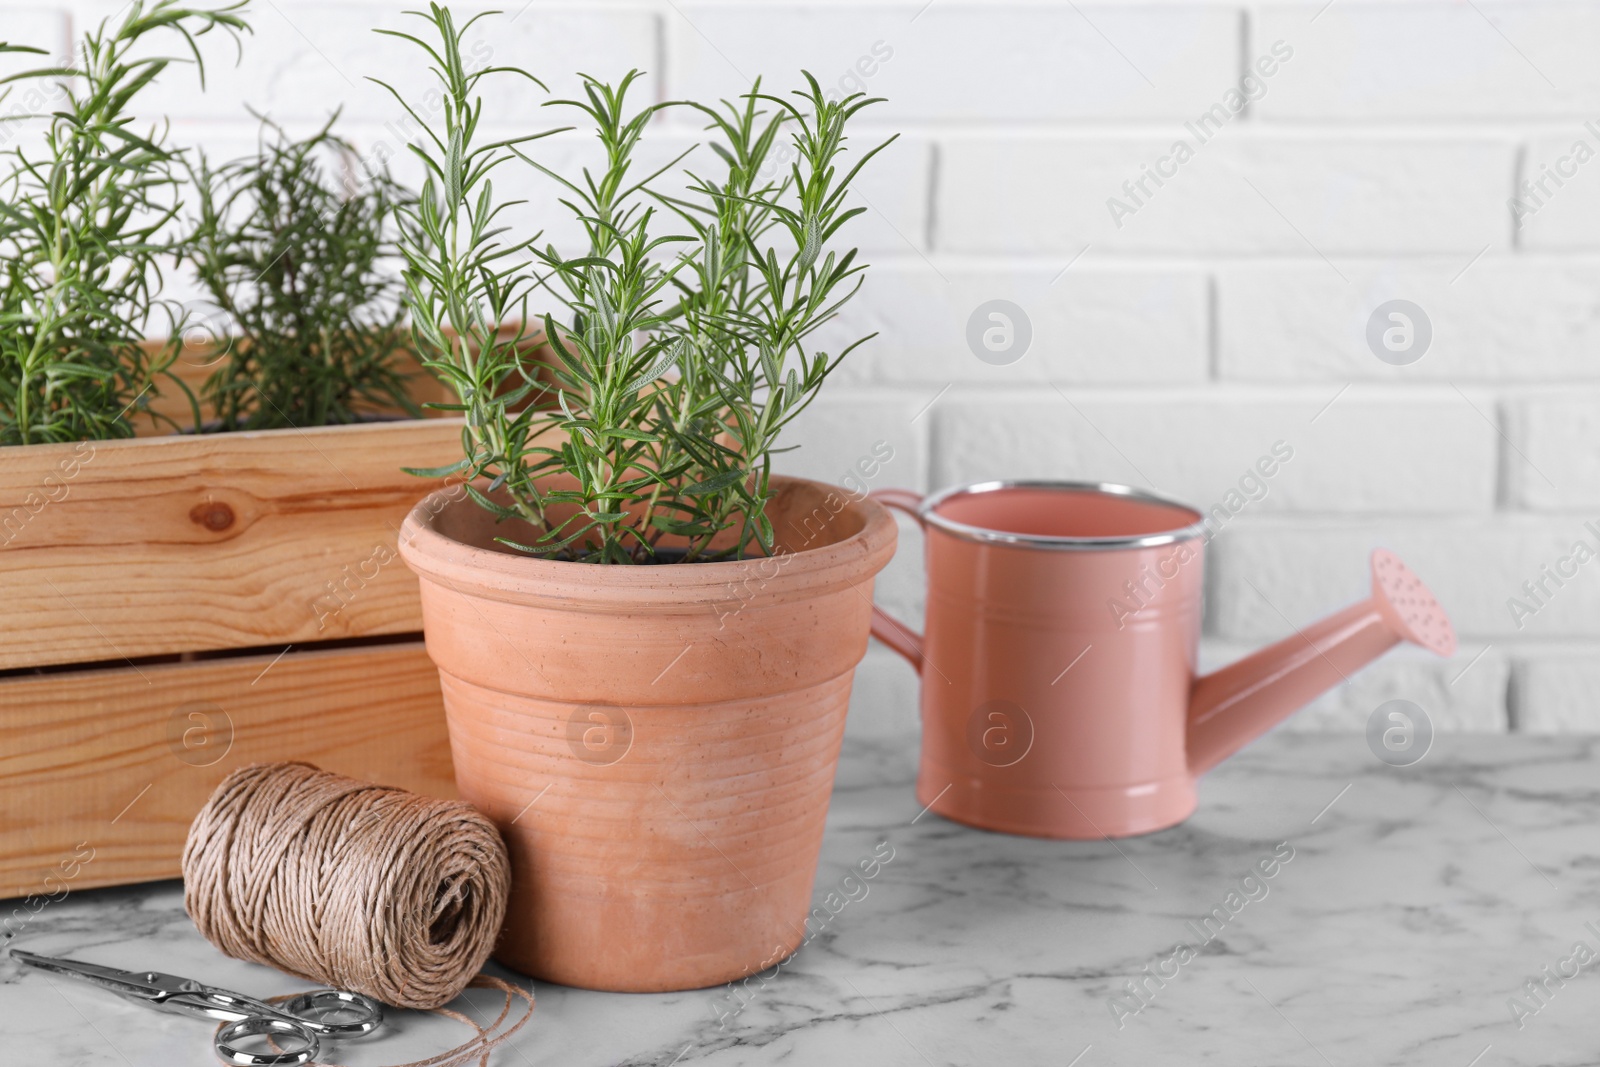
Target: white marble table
(1417,902)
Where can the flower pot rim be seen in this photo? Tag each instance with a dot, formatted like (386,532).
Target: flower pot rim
(520,579)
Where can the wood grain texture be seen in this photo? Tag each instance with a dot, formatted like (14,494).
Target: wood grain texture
(118,761)
(121,549)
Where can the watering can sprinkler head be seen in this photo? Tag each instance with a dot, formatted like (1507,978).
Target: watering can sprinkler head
(1409,607)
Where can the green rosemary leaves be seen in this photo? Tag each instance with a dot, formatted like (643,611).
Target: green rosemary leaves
(293,255)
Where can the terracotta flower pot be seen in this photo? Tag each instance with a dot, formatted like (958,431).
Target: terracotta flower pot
(656,743)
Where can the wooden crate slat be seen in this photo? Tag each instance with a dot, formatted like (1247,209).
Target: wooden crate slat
(123,549)
(196,364)
(117,760)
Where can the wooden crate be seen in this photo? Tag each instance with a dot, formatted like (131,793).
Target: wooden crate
(101,771)
(164,592)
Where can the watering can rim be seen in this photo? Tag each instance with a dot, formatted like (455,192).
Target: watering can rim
(927,511)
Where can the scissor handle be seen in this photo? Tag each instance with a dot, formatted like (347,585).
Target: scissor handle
(309,1009)
(275,1026)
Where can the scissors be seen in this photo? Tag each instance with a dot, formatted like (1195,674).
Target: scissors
(303,1018)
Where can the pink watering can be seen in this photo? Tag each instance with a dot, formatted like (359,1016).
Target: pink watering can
(1059,693)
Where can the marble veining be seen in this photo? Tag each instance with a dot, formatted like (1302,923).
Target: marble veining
(1417,903)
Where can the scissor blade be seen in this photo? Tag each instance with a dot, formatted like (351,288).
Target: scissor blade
(124,983)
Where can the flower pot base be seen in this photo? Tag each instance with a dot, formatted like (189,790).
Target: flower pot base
(655,847)
(693,970)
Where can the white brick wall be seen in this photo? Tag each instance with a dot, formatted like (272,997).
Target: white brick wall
(1505,319)
(1554,691)
(1557,438)
(1385,452)
(953,62)
(1245,192)
(1226,307)
(1444,61)
(1475,565)
(1086,323)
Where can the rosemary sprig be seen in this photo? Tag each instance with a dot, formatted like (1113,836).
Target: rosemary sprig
(754,307)
(84,226)
(613,351)
(463,286)
(294,258)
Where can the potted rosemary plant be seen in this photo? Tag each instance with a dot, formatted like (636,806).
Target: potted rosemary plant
(645,638)
(124,557)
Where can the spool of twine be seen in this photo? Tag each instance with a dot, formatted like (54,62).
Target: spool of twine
(353,885)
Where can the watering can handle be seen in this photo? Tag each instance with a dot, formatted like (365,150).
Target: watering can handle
(885,627)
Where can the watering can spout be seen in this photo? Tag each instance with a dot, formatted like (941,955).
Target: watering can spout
(1231,707)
